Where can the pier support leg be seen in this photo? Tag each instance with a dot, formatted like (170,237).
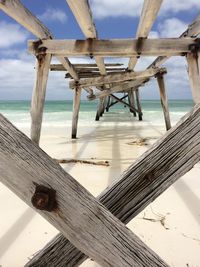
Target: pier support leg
(164,100)
(108,104)
(131,100)
(38,97)
(99,110)
(76,108)
(193,60)
(138,104)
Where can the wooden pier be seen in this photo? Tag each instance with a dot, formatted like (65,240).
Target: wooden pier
(97,226)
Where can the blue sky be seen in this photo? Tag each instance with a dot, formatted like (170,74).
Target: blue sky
(113,19)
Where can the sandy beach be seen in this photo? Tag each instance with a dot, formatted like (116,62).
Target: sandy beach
(170,225)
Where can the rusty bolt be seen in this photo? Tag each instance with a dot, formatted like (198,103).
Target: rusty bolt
(44,198)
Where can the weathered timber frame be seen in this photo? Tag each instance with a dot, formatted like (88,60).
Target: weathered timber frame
(144,181)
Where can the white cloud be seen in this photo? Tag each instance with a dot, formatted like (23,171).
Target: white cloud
(115,8)
(172,27)
(53,14)
(11,34)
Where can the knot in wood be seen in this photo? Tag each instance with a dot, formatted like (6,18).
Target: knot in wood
(44,198)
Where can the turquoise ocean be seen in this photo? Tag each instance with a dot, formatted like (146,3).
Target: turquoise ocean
(59,113)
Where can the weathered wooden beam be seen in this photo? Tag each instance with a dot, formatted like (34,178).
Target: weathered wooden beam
(124,103)
(194,74)
(126,86)
(113,47)
(131,99)
(76,108)
(149,13)
(139,107)
(115,102)
(38,97)
(59,67)
(99,109)
(115,78)
(16,10)
(155,171)
(69,67)
(193,30)
(108,104)
(164,100)
(83,15)
(39,181)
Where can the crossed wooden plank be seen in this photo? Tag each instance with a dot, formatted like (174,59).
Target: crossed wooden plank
(80,218)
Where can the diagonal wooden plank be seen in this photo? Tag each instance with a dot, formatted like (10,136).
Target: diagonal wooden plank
(149,13)
(155,171)
(39,181)
(114,78)
(16,10)
(83,15)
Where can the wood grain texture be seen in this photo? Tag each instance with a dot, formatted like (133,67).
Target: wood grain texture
(16,10)
(155,171)
(164,101)
(194,75)
(76,108)
(78,215)
(38,97)
(115,78)
(148,15)
(83,15)
(114,47)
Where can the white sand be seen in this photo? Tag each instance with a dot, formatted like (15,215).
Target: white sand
(23,232)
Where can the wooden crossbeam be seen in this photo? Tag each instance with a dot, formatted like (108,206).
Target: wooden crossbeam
(149,13)
(155,171)
(112,47)
(115,102)
(16,10)
(124,103)
(115,78)
(83,15)
(39,181)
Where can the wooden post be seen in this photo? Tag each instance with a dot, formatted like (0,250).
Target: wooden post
(131,99)
(164,100)
(39,181)
(194,74)
(155,171)
(76,108)
(108,103)
(138,104)
(38,97)
(99,109)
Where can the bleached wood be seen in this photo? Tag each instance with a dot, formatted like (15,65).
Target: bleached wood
(115,78)
(131,99)
(118,88)
(139,107)
(79,216)
(194,76)
(83,15)
(149,13)
(155,171)
(124,103)
(164,101)
(76,108)
(38,97)
(59,67)
(16,10)
(69,67)
(114,47)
